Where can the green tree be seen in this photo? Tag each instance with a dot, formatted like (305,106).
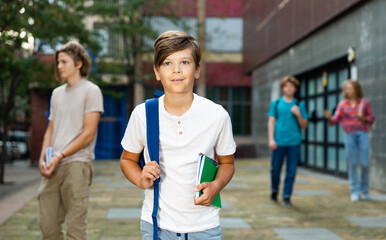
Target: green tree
(47,23)
(128,27)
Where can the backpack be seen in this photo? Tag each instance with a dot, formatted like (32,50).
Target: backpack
(152,138)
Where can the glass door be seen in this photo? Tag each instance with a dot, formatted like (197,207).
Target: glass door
(323,145)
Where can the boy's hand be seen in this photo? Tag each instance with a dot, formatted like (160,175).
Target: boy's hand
(42,167)
(208,193)
(295,110)
(150,172)
(272,145)
(50,169)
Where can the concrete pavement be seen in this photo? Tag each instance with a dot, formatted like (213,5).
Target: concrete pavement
(322,208)
(21,185)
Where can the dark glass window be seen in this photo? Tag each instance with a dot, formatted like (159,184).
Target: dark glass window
(322,145)
(237,101)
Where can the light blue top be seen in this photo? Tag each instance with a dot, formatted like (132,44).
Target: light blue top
(287,129)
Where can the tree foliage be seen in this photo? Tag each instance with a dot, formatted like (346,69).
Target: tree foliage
(27,28)
(48,23)
(130,35)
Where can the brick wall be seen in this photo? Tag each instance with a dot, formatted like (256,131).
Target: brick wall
(39,106)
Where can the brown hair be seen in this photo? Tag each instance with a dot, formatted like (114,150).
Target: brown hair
(77,52)
(357,88)
(290,79)
(173,41)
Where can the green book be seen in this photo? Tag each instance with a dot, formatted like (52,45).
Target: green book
(206,172)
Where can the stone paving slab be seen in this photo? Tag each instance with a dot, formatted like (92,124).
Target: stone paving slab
(301,181)
(102,166)
(124,213)
(234,223)
(312,192)
(378,197)
(326,177)
(225,205)
(234,185)
(101,179)
(119,174)
(121,185)
(369,222)
(306,234)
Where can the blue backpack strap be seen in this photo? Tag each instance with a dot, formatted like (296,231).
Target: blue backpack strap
(277,103)
(142,163)
(152,128)
(152,135)
(158,94)
(276,106)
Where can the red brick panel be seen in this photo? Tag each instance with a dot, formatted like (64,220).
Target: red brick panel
(226,74)
(214,8)
(224,8)
(39,106)
(180,8)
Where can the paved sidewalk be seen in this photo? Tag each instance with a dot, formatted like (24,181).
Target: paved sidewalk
(21,185)
(322,208)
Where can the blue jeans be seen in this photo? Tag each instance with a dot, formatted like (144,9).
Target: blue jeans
(210,234)
(292,153)
(357,145)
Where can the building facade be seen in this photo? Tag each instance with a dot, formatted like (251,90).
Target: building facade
(222,47)
(322,43)
(218,25)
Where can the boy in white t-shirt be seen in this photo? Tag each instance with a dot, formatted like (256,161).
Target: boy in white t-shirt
(189,125)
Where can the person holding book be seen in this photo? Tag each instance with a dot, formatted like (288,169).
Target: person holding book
(286,117)
(188,125)
(75,110)
(355,115)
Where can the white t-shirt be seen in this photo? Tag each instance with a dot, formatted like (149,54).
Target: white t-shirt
(204,128)
(68,107)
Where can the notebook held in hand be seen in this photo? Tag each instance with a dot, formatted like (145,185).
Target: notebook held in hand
(206,172)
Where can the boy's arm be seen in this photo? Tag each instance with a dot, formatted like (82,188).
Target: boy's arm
(46,143)
(90,127)
(211,189)
(271,131)
(131,169)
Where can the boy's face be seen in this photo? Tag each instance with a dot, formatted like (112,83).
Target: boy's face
(66,66)
(289,89)
(178,72)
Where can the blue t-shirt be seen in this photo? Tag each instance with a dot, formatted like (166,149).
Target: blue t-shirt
(287,129)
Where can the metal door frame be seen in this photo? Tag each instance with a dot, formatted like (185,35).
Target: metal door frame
(331,67)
